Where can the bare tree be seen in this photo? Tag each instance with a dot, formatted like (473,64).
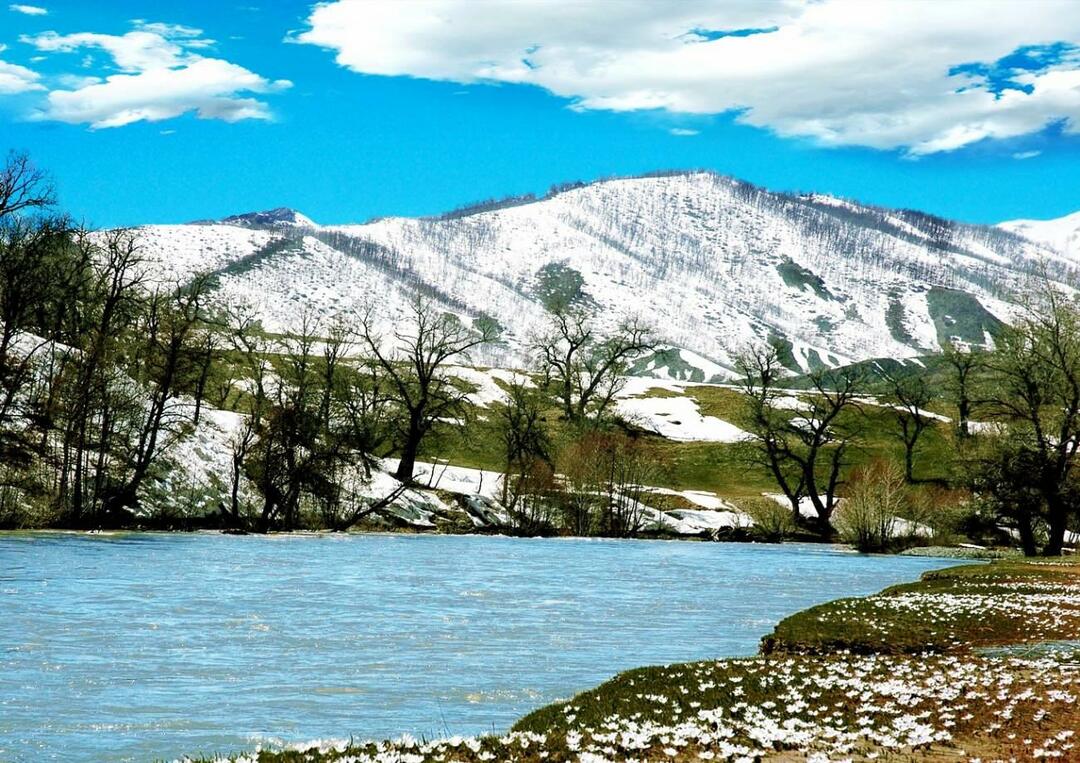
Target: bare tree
(805,449)
(31,251)
(526,444)
(828,428)
(245,338)
(908,395)
(113,301)
(32,256)
(760,373)
(168,335)
(583,368)
(963,367)
(415,367)
(23,186)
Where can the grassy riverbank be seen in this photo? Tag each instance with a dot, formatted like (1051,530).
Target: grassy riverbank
(979,662)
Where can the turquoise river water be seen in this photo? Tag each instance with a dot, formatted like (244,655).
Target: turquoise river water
(151,646)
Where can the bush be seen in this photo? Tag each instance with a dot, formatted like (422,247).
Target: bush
(946,512)
(876,499)
(772,521)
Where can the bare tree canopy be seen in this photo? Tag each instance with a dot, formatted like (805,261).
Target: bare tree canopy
(23,186)
(415,366)
(806,449)
(582,367)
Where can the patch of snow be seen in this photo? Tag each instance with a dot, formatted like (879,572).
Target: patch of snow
(462,480)
(679,419)
(695,253)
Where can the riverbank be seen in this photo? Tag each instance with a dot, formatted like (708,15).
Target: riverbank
(979,662)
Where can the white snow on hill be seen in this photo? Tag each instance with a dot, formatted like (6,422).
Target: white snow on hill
(1062,233)
(678,418)
(713,263)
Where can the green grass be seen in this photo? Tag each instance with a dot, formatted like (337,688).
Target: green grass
(796,276)
(894,319)
(973,607)
(672,360)
(957,313)
(722,468)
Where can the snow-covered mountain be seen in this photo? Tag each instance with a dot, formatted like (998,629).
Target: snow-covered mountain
(1061,234)
(713,263)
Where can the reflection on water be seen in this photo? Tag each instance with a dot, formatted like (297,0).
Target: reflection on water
(137,647)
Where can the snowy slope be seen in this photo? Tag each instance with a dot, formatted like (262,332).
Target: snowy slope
(1062,233)
(713,263)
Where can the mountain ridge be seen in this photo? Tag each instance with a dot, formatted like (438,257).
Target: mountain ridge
(716,263)
(1060,233)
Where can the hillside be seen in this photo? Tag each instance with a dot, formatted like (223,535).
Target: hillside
(713,263)
(1062,233)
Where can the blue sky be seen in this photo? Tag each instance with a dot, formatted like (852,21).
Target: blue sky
(151,113)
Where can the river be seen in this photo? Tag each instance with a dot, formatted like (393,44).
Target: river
(151,646)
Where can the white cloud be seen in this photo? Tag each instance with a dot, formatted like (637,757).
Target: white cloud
(159,77)
(28,10)
(208,87)
(842,72)
(18,79)
(1026,154)
(135,51)
(683,132)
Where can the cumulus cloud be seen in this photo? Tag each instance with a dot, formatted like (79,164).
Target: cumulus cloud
(28,10)
(924,77)
(208,87)
(159,76)
(132,52)
(18,79)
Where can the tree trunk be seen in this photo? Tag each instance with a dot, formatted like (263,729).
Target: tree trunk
(1057,526)
(407,464)
(1027,534)
(964,410)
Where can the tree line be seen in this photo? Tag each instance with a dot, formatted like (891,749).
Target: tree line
(103,368)
(1007,459)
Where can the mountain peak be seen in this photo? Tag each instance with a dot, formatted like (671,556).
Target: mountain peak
(273,217)
(1062,233)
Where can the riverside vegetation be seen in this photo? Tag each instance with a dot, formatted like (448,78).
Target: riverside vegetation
(973,663)
(103,369)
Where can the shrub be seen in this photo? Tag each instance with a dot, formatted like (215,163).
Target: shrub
(946,512)
(877,497)
(772,521)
